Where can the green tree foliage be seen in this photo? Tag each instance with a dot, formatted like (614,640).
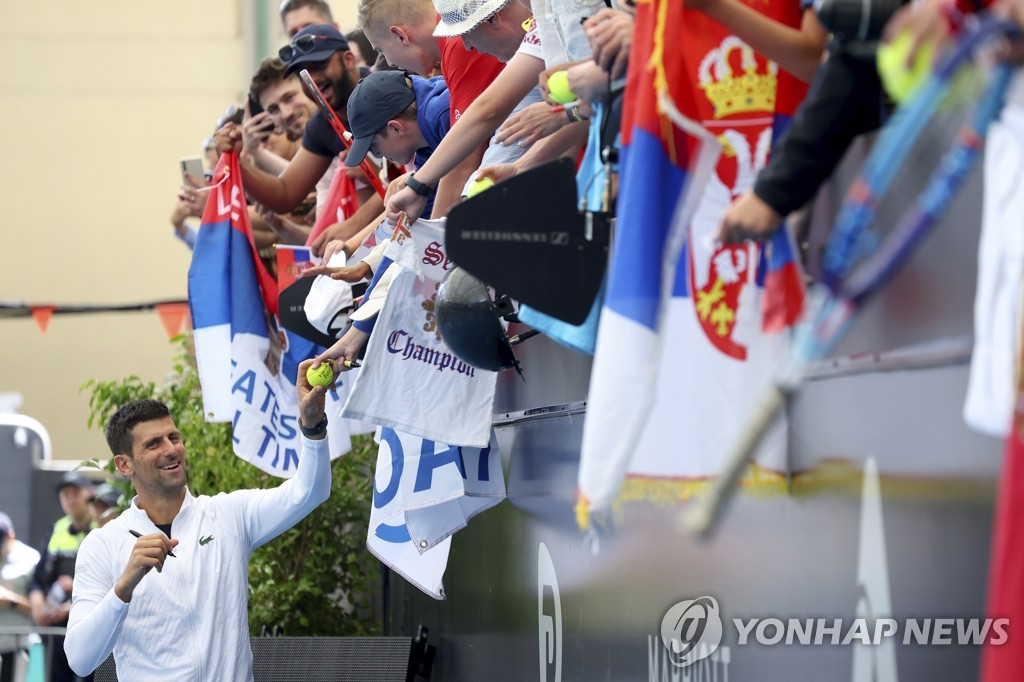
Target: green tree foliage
(315,579)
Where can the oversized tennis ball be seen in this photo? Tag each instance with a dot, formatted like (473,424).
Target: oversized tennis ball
(558,88)
(479,186)
(321,376)
(899,81)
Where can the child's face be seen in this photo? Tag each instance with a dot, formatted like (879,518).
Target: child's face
(394,146)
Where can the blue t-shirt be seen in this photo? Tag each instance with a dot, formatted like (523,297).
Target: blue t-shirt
(432,114)
(433,118)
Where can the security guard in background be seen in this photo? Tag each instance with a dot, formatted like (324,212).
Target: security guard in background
(50,591)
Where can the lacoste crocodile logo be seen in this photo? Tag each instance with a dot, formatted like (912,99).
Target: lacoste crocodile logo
(203,541)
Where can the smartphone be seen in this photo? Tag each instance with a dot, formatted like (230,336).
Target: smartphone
(192,166)
(256,108)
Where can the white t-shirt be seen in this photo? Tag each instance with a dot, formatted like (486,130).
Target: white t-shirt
(497,153)
(560,25)
(15,575)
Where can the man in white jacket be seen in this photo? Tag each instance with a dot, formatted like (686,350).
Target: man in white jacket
(187,620)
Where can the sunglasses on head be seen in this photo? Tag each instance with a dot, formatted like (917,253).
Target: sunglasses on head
(301,45)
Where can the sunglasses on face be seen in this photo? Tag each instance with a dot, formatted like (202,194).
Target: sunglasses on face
(301,45)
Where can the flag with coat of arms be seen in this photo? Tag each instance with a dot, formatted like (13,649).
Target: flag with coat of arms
(691,311)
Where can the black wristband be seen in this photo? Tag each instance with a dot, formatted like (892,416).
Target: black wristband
(416,186)
(316,430)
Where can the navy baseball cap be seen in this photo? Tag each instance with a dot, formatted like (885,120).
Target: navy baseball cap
(313,44)
(75,478)
(107,494)
(377,99)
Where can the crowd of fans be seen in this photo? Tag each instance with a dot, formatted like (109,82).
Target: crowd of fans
(487,64)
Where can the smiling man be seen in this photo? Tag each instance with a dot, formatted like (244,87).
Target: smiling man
(282,97)
(324,52)
(188,620)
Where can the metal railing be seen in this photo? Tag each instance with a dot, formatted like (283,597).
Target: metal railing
(25,637)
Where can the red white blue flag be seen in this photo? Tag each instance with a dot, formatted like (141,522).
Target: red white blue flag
(247,363)
(667,397)
(664,167)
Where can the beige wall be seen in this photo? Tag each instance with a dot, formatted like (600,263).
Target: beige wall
(100,100)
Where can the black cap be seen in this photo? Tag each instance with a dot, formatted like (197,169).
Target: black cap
(107,494)
(325,40)
(377,99)
(76,478)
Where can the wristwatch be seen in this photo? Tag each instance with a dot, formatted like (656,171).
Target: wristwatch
(316,430)
(416,186)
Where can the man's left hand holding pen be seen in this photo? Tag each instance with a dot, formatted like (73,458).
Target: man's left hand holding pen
(150,552)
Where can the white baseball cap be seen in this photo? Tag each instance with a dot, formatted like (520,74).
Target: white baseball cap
(459,17)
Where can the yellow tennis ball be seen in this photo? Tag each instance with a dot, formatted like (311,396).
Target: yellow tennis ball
(321,376)
(899,81)
(558,88)
(478,186)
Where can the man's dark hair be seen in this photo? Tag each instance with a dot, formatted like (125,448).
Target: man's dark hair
(357,36)
(316,5)
(271,71)
(119,428)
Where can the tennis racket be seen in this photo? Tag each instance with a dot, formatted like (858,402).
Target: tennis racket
(339,128)
(925,151)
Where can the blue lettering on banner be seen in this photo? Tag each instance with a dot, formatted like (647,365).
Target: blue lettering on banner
(268,436)
(270,396)
(246,384)
(290,457)
(234,426)
(393,534)
(430,460)
(382,498)
(484,470)
(287,429)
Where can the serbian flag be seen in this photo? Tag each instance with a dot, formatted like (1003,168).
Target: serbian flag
(342,202)
(721,359)
(247,363)
(1002,658)
(665,164)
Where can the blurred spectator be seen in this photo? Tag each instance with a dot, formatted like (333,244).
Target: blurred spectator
(17,562)
(191,204)
(365,56)
(50,590)
(298,14)
(105,504)
(210,153)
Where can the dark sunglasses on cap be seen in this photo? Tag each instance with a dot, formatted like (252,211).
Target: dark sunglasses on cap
(301,45)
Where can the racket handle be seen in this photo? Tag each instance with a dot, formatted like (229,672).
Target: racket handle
(701,517)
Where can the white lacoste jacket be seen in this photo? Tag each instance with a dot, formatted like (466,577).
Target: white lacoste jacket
(190,621)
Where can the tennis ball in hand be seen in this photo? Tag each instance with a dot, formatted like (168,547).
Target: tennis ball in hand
(321,376)
(479,186)
(899,81)
(558,88)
